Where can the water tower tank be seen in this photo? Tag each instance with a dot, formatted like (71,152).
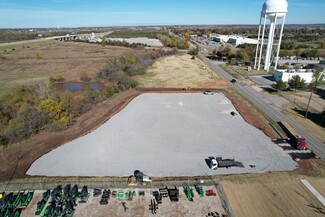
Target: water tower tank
(270,7)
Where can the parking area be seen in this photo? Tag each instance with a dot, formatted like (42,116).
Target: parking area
(167,134)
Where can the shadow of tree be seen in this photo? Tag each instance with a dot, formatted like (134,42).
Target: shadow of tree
(317,118)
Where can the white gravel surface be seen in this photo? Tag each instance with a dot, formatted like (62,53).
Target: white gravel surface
(142,40)
(166,135)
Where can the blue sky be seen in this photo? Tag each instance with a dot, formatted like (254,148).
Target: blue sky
(80,13)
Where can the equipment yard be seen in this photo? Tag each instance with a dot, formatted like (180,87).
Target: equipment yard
(182,129)
(138,205)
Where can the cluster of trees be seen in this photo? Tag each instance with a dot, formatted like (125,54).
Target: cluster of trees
(155,54)
(11,36)
(174,42)
(123,43)
(296,82)
(245,52)
(120,69)
(25,110)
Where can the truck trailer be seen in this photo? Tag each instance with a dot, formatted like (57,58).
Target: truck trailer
(294,138)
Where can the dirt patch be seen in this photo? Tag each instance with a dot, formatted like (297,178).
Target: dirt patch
(179,71)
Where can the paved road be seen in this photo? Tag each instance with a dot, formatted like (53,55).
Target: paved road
(313,144)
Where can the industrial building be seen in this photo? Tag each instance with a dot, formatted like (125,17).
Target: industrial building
(232,39)
(286,74)
(238,40)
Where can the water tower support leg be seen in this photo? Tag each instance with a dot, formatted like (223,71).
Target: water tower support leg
(258,42)
(279,45)
(262,43)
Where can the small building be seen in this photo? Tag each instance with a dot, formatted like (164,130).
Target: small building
(221,38)
(286,74)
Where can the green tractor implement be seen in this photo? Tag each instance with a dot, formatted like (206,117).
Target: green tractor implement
(13,200)
(57,194)
(58,211)
(3,203)
(25,199)
(199,190)
(46,195)
(74,193)
(13,213)
(40,207)
(68,209)
(189,193)
(66,191)
(49,210)
(41,204)
(84,195)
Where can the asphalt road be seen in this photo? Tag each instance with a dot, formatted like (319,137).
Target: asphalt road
(312,143)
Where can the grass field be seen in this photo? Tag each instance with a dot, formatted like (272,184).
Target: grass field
(33,62)
(180,71)
(275,194)
(311,127)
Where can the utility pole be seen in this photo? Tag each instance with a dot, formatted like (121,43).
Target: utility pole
(311,93)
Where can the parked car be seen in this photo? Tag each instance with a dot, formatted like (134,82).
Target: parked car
(208,92)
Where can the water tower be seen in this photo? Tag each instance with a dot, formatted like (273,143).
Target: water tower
(272,11)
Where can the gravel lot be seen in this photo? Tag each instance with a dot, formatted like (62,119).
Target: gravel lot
(167,134)
(141,40)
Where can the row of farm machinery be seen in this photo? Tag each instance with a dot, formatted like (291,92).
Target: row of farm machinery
(61,201)
(12,203)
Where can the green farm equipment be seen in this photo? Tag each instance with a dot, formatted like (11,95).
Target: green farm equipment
(25,199)
(58,212)
(11,213)
(13,200)
(120,195)
(66,191)
(199,190)
(40,207)
(68,210)
(57,194)
(49,210)
(41,204)
(84,195)
(46,195)
(189,193)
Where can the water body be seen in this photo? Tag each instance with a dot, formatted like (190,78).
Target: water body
(79,86)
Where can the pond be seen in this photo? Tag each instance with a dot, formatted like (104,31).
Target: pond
(79,86)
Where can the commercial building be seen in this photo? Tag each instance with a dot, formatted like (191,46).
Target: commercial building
(286,74)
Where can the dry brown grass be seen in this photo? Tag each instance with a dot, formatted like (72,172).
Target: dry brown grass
(180,71)
(36,62)
(306,124)
(274,194)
